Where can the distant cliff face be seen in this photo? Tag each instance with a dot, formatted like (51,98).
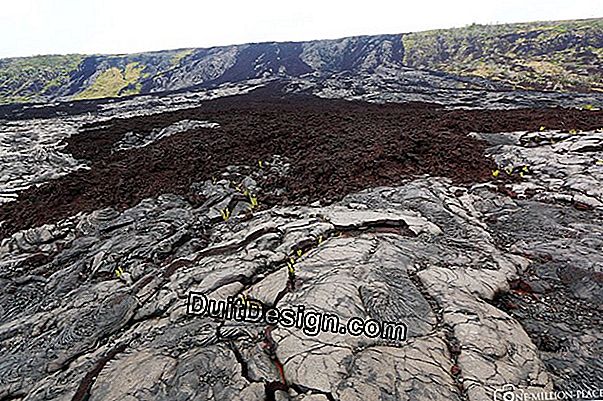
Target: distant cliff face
(554,55)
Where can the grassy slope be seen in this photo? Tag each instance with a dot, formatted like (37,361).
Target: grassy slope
(114,82)
(24,79)
(38,78)
(565,55)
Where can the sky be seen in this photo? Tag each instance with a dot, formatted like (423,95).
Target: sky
(32,27)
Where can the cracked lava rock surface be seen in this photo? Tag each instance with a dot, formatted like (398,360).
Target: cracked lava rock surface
(109,220)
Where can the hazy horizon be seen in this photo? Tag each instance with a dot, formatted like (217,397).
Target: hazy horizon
(112,27)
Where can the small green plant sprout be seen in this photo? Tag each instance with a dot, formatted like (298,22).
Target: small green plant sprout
(253,200)
(119,271)
(246,192)
(214,180)
(320,239)
(225,213)
(291,266)
(261,164)
(542,128)
(573,131)
(495,173)
(509,169)
(299,253)
(524,170)
(589,107)
(599,162)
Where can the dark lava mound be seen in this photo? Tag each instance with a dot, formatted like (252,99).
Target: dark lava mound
(335,147)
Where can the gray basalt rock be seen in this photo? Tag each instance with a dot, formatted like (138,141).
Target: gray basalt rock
(132,140)
(491,290)
(430,279)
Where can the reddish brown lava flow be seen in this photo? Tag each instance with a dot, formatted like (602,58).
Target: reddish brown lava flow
(335,147)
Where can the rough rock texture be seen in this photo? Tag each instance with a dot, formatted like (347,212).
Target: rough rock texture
(87,330)
(31,153)
(420,280)
(556,222)
(334,147)
(32,139)
(497,281)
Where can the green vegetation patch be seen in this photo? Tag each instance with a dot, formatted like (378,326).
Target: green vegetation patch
(114,82)
(177,58)
(564,55)
(33,78)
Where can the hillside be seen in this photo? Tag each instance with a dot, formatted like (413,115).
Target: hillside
(548,55)
(564,55)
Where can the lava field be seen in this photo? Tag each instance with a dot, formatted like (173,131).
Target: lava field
(335,147)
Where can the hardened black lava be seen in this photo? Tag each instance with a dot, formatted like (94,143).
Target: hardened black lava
(335,147)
